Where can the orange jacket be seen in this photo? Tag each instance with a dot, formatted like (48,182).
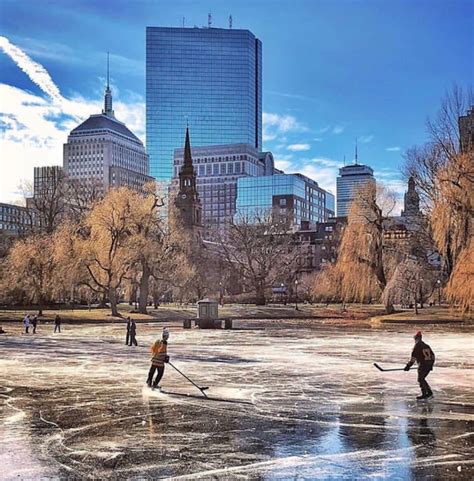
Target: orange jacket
(158,351)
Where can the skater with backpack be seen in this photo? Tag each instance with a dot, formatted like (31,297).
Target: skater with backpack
(158,360)
(424,356)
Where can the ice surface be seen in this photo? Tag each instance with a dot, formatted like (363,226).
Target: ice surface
(285,403)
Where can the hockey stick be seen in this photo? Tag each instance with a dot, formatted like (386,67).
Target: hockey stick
(385,370)
(202,389)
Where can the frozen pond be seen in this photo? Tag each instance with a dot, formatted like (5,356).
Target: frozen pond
(286,403)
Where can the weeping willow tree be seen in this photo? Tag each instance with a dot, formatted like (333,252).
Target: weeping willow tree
(364,261)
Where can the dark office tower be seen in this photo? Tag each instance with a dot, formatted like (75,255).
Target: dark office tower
(466,131)
(208,77)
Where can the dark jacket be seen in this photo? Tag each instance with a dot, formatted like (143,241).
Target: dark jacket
(423,355)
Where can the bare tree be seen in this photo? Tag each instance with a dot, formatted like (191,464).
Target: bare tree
(262,251)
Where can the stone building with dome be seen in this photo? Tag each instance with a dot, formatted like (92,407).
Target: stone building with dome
(104,150)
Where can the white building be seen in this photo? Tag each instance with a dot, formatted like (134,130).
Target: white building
(105,149)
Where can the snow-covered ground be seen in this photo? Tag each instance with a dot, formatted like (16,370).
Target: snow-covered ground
(285,403)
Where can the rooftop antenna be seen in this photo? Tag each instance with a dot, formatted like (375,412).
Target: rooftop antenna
(344,161)
(356,156)
(230,21)
(107,69)
(184,18)
(209,20)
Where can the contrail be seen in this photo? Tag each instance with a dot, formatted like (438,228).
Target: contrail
(36,72)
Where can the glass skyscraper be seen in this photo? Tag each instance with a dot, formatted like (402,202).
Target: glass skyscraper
(351,179)
(210,78)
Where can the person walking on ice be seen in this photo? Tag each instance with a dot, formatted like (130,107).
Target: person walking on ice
(159,357)
(127,338)
(133,333)
(57,323)
(26,323)
(424,356)
(35,323)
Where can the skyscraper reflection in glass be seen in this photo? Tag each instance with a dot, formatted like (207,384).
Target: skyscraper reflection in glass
(209,77)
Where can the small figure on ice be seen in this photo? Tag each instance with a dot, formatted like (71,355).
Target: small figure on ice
(133,333)
(159,357)
(57,324)
(424,356)
(26,323)
(34,322)
(127,338)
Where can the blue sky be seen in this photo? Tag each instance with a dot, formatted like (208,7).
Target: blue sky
(333,71)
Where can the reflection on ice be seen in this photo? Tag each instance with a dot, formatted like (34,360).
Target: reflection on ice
(284,403)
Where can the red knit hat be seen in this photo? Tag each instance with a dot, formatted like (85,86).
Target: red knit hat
(417,335)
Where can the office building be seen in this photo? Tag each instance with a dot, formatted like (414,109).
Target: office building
(466,131)
(46,180)
(209,77)
(105,150)
(218,168)
(351,179)
(292,198)
(15,220)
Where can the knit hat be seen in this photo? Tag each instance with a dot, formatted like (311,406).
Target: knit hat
(166,333)
(417,335)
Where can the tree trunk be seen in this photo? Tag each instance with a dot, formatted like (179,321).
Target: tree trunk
(113,302)
(389,309)
(260,295)
(144,288)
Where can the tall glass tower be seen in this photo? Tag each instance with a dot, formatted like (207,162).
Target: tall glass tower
(209,78)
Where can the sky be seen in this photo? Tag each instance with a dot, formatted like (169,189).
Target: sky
(333,71)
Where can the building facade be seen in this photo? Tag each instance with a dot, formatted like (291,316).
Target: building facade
(351,179)
(218,169)
(293,198)
(15,220)
(211,78)
(318,246)
(466,131)
(46,180)
(105,150)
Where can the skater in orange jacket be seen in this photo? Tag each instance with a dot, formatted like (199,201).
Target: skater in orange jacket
(158,360)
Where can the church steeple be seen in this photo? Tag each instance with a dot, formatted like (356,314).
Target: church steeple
(108,95)
(187,200)
(411,200)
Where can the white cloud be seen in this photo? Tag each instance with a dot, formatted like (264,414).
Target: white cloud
(36,72)
(283,161)
(365,139)
(298,147)
(323,130)
(338,129)
(318,139)
(324,176)
(34,128)
(393,149)
(282,123)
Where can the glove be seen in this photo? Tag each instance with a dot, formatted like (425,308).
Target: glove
(167,359)
(407,367)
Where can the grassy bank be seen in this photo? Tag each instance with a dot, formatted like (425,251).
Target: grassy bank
(174,312)
(428,315)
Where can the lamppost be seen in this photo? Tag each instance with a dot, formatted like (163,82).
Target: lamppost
(221,294)
(281,292)
(438,283)
(296,294)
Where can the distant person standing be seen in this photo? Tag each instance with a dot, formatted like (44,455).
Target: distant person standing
(26,323)
(127,338)
(34,322)
(133,333)
(57,323)
(159,357)
(424,356)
